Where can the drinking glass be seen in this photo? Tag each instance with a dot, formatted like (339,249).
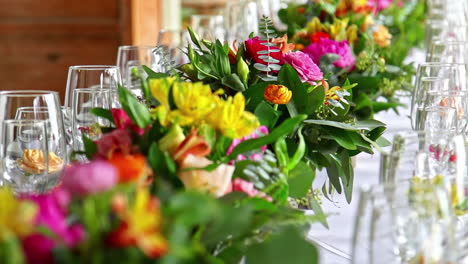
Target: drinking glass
(130,60)
(436,118)
(208,27)
(11,101)
(408,222)
(95,77)
(26,167)
(448,52)
(241,18)
(454,99)
(83,121)
(173,44)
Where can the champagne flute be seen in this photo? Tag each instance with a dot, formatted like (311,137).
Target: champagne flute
(241,19)
(174,43)
(208,27)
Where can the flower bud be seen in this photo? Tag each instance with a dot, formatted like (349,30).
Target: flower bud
(277,94)
(243,70)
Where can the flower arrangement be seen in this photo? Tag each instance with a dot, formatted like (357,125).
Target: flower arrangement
(364,42)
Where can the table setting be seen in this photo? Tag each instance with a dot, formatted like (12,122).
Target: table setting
(275,132)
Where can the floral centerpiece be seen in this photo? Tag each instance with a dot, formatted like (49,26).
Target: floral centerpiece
(367,41)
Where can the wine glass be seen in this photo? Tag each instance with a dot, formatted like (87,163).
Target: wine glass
(84,122)
(27,168)
(241,18)
(457,100)
(448,52)
(173,44)
(130,60)
(436,118)
(95,77)
(55,134)
(408,222)
(208,27)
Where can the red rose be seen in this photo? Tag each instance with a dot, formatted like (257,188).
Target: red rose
(318,36)
(254,45)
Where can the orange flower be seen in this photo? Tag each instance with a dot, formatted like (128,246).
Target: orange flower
(141,224)
(33,161)
(192,144)
(317,37)
(277,94)
(381,36)
(130,167)
(282,44)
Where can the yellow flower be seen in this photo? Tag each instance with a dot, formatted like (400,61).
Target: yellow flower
(160,89)
(16,217)
(338,29)
(316,26)
(194,102)
(330,94)
(351,33)
(277,94)
(230,118)
(381,36)
(141,224)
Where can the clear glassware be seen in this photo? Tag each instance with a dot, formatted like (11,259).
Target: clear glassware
(241,18)
(27,169)
(208,27)
(448,52)
(83,121)
(39,100)
(437,77)
(93,76)
(173,44)
(436,118)
(130,60)
(454,99)
(408,222)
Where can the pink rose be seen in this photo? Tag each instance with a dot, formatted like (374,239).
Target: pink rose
(327,46)
(83,179)
(240,185)
(262,130)
(307,70)
(122,120)
(379,5)
(119,140)
(254,45)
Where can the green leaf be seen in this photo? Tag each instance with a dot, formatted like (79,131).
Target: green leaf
(359,125)
(300,101)
(137,111)
(266,114)
(222,60)
(300,180)
(90,148)
(341,137)
(254,95)
(104,113)
(299,153)
(286,246)
(315,99)
(154,75)
(282,130)
(194,37)
(333,175)
(163,164)
(315,206)
(346,175)
(281,151)
(234,82)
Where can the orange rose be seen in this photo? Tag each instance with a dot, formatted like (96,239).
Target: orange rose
(277,94)
(33,161)
(130,167)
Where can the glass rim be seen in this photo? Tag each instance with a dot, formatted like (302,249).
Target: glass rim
(93,67)
(136,47)
(23,121)
(90,90)
(441,64)
(449,42)
(28,93)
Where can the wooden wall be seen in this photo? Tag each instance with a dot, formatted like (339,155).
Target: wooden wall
(40,39)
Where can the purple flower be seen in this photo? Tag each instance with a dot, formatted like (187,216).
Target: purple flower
(326,46)
(96,176)
(307,70)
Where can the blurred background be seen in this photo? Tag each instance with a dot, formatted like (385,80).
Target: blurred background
(39,40)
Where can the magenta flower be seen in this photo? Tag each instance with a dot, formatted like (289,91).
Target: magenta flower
(307,70)
(84,179)
(240,185)
(326,46)
(52,214)
(254,45)
(122,120)
(379,5)
(262,130)
(119,140)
